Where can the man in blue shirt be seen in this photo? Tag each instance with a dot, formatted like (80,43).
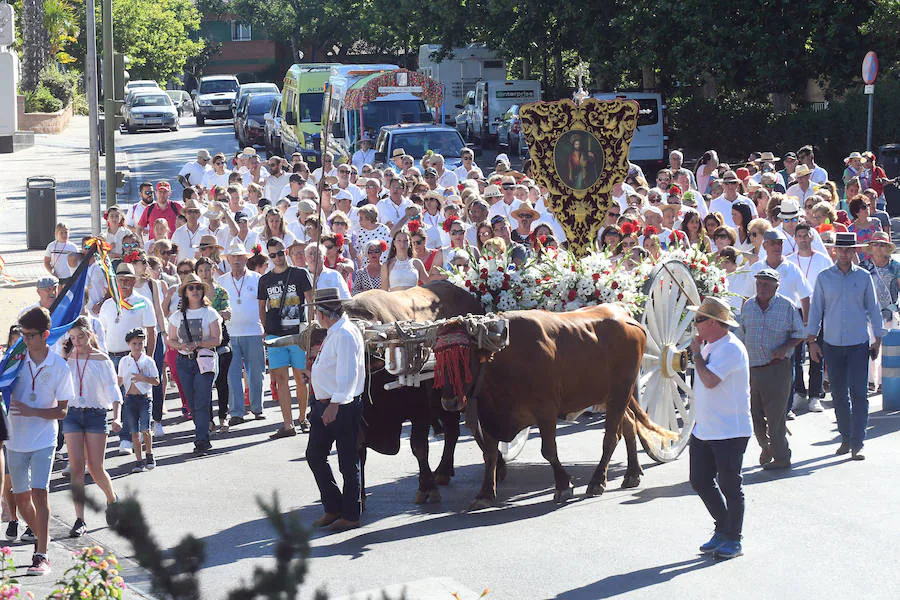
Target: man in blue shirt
(845,297)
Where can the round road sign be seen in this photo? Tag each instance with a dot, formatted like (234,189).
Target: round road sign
(870,68)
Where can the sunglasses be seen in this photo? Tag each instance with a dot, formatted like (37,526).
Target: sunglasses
(375,251)
(792,220)
(195,288)
(508,186)
(698,319)
(188,272)
(664,180)
(655,200)
(336,223)
(329,246)
(456,232)
(420,242)
(278,254)
(615,215)
(130,245)
(147,192)
(219,162)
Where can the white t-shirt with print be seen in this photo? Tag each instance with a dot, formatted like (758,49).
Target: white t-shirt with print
(199,320)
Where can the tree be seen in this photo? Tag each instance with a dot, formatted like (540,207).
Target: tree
(36,43)
(156,34)
(61,24)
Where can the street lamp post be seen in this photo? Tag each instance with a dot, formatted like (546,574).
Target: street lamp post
(90,74)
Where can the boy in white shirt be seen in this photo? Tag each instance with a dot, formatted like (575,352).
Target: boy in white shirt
(138,375)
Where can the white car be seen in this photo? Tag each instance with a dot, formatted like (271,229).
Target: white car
(151,110)
(141,84)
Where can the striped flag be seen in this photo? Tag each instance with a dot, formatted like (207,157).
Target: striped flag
(63,312)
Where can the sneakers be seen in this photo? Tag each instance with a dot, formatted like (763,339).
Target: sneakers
(714,542)
(125,448)
(790,416)
(12,531)
(799,399)
(28,536)
(138,467)
(150,463)
(284,432)
(815,405)
(158,430)
(729,549)
(305,426)
(223,428)
(235,421)
(259,416)
(201,447)
(79,528)
(777,465)
(40,565)
(857,455)
(67,471)
(844,448)
(59,455)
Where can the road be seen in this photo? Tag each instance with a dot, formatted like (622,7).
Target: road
(826,529)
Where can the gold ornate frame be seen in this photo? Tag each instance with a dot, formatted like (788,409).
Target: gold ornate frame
(581,212)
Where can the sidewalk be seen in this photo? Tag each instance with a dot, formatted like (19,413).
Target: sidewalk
(64,157)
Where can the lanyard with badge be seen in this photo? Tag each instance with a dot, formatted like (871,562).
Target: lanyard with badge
(80,372)
(33,397)
(237,289)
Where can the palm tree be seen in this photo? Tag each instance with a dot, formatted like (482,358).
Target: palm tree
(61,24)
(35,42)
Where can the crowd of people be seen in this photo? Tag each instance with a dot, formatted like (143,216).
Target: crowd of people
(203,280)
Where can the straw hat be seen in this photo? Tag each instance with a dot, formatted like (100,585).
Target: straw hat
(209,241)
(525,209)
(882,237)
(852,156)
(767,157)
(492,191)
(236,248)
(193,279)
(715,309)
(802,170)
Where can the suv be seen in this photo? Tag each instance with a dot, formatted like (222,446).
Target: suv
(212,100)
(418,138)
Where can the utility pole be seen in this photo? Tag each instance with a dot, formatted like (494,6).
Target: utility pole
(110,107)
(90,74)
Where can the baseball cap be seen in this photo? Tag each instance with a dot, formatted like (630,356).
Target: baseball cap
(774,234)
(204,154)
(240,216)
(768,273)
(48,281)
(163,185)
(135,333)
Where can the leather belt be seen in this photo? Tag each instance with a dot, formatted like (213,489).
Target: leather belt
(119,354)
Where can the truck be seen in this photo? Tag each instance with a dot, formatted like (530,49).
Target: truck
(490,102)
(650,146)
(302,100)
(364,98)
(459,71)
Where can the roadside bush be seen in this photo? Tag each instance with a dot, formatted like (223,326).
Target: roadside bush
(61,84)
(41,100)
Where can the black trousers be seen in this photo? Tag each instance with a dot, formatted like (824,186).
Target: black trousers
(221,385)
(343,432)
(716,477)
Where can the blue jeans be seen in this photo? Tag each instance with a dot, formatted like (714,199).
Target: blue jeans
(247,354)
(715,474)
(159,392)
(848,370)
(124,433)
(198,389)
(344,433)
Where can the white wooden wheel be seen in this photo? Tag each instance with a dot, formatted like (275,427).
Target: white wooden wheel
(510,450)
(662,390)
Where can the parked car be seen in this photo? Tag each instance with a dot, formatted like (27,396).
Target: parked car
(250,123)
(241,103)
(212,100)
(464,119)
(254,88)
(418,138)
(151,110)
(182,101)
(141,84)
(272,127)
(509,132)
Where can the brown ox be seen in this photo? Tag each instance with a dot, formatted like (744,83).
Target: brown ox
(385,411)
(556,364)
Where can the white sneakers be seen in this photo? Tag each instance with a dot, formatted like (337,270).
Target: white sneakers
(158,429)
(815,405)
(125,448)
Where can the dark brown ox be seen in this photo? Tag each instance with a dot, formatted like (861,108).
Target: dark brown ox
(557,364)
(385,411)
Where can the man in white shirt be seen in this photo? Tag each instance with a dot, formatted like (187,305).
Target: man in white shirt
(39,399)
(793,285)
(338,377)
(218,175)
(193,172)
(134,212)
(807,157)
(397,160)
(254,172)
(246,331)
(365,155)
(322,276)
(508,203)
(445,179)
(468,163)
(393,208)
(327,168)
(729,196)
(276,180)
(790,218)
(187,237)
(343,182)
(118,321)
(344,203)
(803,188)
(723,424)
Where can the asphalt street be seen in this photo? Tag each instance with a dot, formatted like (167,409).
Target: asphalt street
(825,529)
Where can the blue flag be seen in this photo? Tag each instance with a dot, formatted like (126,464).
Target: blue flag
(63,313)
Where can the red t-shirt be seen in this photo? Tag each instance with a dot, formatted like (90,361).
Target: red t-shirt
(154,212)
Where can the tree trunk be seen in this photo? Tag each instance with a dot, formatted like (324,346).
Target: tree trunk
(36,43)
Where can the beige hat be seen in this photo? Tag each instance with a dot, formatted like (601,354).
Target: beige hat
(492,191)
(249,151)
(670,208)
(209,241)
(767,157)
(306,206)
(236,248)
(398,152)
(193,279)
(715,309)
(507,179)
(801,171)
(525,209)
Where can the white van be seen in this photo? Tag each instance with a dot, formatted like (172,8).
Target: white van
(492,100)
(650,146)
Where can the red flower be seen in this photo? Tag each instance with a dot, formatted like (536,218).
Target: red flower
(620,296)
(629,228)
(716,290)
(675,189)
(339,240)
(825,227)
(596,276)
(383,245)
(572,295)
(614,285)
(547,293)
(482,287)
(133,256)
(679,234)
(543,240)
(723,280)
(449,223)
(650,230)
(596,293)
(257,249)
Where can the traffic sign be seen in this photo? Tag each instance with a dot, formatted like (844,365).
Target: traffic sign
(870,68)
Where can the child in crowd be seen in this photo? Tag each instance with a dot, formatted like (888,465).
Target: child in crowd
(138,375)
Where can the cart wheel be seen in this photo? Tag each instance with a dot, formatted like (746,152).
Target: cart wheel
(663,390)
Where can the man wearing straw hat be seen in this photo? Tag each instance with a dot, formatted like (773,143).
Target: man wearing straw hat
(246,332)
(187,236)
(723,425)
(844,306)
(337,376)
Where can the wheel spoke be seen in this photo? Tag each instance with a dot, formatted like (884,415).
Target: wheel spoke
(652,346)
(686,321)
(650,313)
(677,316)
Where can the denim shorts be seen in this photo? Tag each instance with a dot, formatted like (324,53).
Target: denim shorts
(136,412)
(289,356)
(30,470)
(85,420)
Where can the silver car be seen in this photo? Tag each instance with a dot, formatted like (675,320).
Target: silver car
(151,110)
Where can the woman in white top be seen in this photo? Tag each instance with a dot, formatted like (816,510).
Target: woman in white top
(185,268)
(115,231)
(96,392)
(56,257)
(195,331)
(401,273)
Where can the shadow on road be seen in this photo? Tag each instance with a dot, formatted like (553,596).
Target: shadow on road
(623,583)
